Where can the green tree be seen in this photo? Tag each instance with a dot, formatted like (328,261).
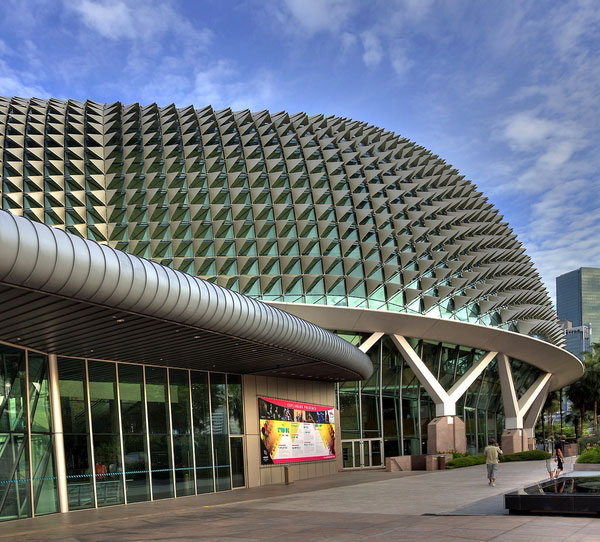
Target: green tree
(574,419)
(584,394)
(551,406)
(578,394)
(591,376)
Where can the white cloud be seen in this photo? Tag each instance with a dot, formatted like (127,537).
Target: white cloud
(526,130)
(131,20)
(414,10)
(220,85)
(348,41)
(544,151)
(318,15)
(372,51)
(572,24)
(564,227)
(13,83)
(401,62)
(111,19)
(557,154)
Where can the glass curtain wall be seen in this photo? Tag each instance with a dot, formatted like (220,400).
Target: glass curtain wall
(202,433)
(159,431)
(220,428)
(136,433)
(133,423)
(76,433)
(104,408)
(236,429)
(181,421)
(15,487)
(27,467)
(45,491)
(391,398)
(393,405)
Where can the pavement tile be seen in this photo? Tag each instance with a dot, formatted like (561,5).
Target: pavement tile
(349,506)
(474,533)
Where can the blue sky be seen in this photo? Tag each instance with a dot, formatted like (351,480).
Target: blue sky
(507,92)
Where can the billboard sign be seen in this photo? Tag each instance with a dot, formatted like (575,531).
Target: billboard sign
(292,432)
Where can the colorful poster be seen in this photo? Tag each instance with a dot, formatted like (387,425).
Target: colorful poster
(292,432)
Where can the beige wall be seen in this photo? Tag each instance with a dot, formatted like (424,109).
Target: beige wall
(319,393)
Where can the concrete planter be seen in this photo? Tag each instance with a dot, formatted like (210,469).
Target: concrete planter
(587,466)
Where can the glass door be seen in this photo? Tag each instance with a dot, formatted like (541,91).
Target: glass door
(347,455)
(357,454)
(375,455)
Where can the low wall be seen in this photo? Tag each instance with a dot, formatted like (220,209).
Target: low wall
(416,462)
(587,466)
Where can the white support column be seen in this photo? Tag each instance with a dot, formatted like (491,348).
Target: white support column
(370,342)
(535,410)
(445,402)
(515,409)
(444,406)
(526,402)
(509,395)
(57,430)
(462,385)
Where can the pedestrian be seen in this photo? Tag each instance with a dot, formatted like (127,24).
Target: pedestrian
(492,455)
(559,457)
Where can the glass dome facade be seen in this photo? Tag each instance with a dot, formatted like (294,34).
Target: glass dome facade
(295,208)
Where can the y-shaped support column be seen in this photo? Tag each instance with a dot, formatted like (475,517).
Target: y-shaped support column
(447,431)
(515,410)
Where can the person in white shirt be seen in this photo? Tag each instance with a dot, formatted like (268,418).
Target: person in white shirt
(492,455)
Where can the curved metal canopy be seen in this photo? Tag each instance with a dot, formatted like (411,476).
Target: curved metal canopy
(64,294)
(564,366)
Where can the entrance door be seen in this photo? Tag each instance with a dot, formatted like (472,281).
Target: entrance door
(362,454)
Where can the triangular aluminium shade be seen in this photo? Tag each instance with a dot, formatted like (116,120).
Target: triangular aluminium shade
(151,180)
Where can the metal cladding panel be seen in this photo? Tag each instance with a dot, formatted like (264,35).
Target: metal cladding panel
(280,207)
(43,260)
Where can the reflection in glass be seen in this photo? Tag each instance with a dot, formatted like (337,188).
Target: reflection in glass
(218,398)
(105,428)
(45,491)
(14,459)
(158,426)
(236,409)
(182,432)
(376,458)
(148,411)
(349,410)
(133,421)
(71,374)
(202,425)
(39,394)
(370,400)
(237,462)
(347,455)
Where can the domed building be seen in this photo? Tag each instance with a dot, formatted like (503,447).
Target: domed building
(343,224)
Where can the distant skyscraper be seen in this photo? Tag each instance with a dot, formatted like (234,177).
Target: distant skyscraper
(578,339)
(578,301)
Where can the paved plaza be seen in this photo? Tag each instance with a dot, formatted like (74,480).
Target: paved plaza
(363,505)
